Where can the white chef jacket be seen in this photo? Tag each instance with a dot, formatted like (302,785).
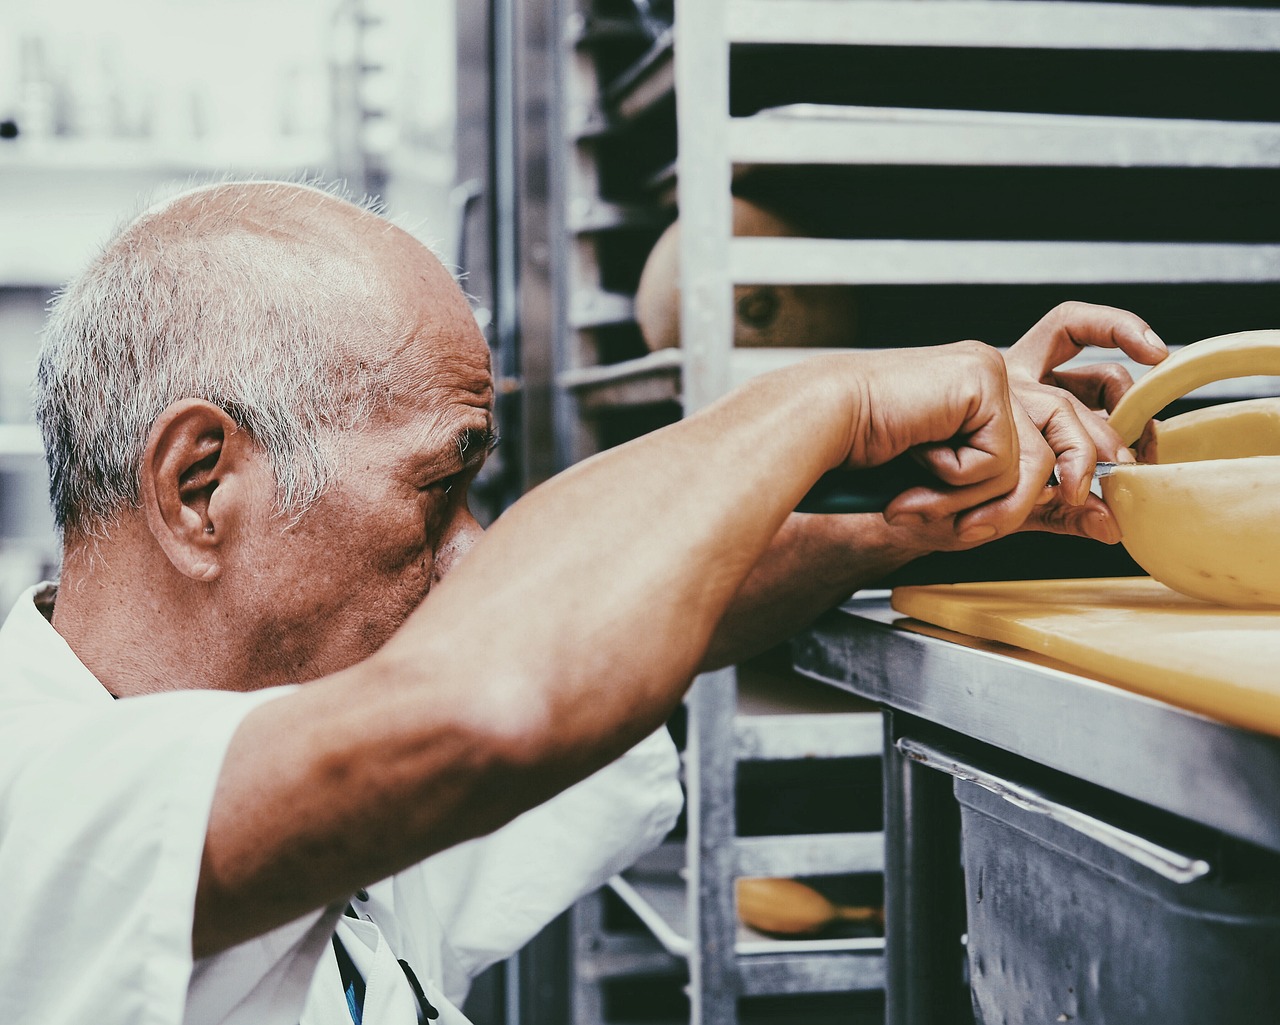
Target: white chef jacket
(103,811)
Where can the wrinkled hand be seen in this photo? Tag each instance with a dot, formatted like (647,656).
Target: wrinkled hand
(1061,423)
(1069,407)
(951,407)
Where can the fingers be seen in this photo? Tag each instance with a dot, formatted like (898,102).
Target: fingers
(1097,387)
(1077,436)
(988,508)
(1006,513)
(1092,519)
(1066,329)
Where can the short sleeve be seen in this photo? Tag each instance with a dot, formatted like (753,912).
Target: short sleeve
(103,815)
(495,893)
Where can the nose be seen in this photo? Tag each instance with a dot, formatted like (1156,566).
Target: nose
(459,537)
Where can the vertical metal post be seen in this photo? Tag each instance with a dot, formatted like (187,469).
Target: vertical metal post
(706,331)
(710,778)
(574,176)
(586,924)
(924,897)
(542,985)
(706,210)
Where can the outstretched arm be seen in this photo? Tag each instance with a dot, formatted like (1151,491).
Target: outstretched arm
(575,625)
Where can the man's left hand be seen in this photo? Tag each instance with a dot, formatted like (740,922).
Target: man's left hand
(1069,407)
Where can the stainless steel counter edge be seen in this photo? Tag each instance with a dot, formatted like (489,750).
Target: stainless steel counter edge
(1182,762)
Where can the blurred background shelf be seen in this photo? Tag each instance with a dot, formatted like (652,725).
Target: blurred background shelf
(656,378)
(101,113)
(656,891)
(20,443)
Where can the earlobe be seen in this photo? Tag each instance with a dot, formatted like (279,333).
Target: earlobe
(192,452)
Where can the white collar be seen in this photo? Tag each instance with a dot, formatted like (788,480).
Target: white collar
(37,662)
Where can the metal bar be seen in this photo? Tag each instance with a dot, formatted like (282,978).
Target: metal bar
(1034,24)
(1177,868)
(595,215)
(869,136)
(712,931)
(652,60)
(923,893)
(572,265)
(810,855)
(664,930)
(769,975)
(621,955)
(600,309)
(705,178)
(821,735)
(791,261)
(664,361)
(586,924)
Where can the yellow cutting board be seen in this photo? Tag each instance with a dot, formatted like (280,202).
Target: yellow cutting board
(1132,632)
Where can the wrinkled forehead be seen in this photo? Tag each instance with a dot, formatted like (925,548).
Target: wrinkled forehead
(438,346)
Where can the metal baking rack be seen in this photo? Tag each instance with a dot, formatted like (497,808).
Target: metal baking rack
(773,98)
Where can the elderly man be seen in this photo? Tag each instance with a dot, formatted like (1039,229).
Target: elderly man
(262,407)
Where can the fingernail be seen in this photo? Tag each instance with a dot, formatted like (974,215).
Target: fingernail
(1082,491)
(977,532)
(1125,455)
(905,519)
(1101,527)
(1155,339)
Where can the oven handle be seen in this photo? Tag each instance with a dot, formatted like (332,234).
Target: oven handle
(1178,868)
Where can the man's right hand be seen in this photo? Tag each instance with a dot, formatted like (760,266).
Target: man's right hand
(950,408)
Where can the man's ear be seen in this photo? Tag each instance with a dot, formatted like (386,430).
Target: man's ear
(195,480)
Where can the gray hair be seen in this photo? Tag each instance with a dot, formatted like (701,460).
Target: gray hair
(252,296)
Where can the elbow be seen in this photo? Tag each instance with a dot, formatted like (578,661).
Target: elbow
(509,722)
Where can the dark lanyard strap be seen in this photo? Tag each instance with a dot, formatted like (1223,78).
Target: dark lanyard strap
(352,981)
(354,988)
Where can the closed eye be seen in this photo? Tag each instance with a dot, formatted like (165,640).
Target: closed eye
(473,446)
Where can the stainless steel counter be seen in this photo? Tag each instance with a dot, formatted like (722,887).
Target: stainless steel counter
(1089,754)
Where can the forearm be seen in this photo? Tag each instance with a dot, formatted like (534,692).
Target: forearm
(813,563)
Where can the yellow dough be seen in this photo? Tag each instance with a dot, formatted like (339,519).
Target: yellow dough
(1243,354)
(1232,430)
(1210,529)
(1204,518)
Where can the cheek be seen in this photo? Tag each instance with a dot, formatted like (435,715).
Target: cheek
(402,546)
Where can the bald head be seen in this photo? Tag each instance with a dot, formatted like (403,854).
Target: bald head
(280,303)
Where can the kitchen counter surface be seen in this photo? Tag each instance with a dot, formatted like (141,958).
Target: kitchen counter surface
(1160,786)
(1043,710)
